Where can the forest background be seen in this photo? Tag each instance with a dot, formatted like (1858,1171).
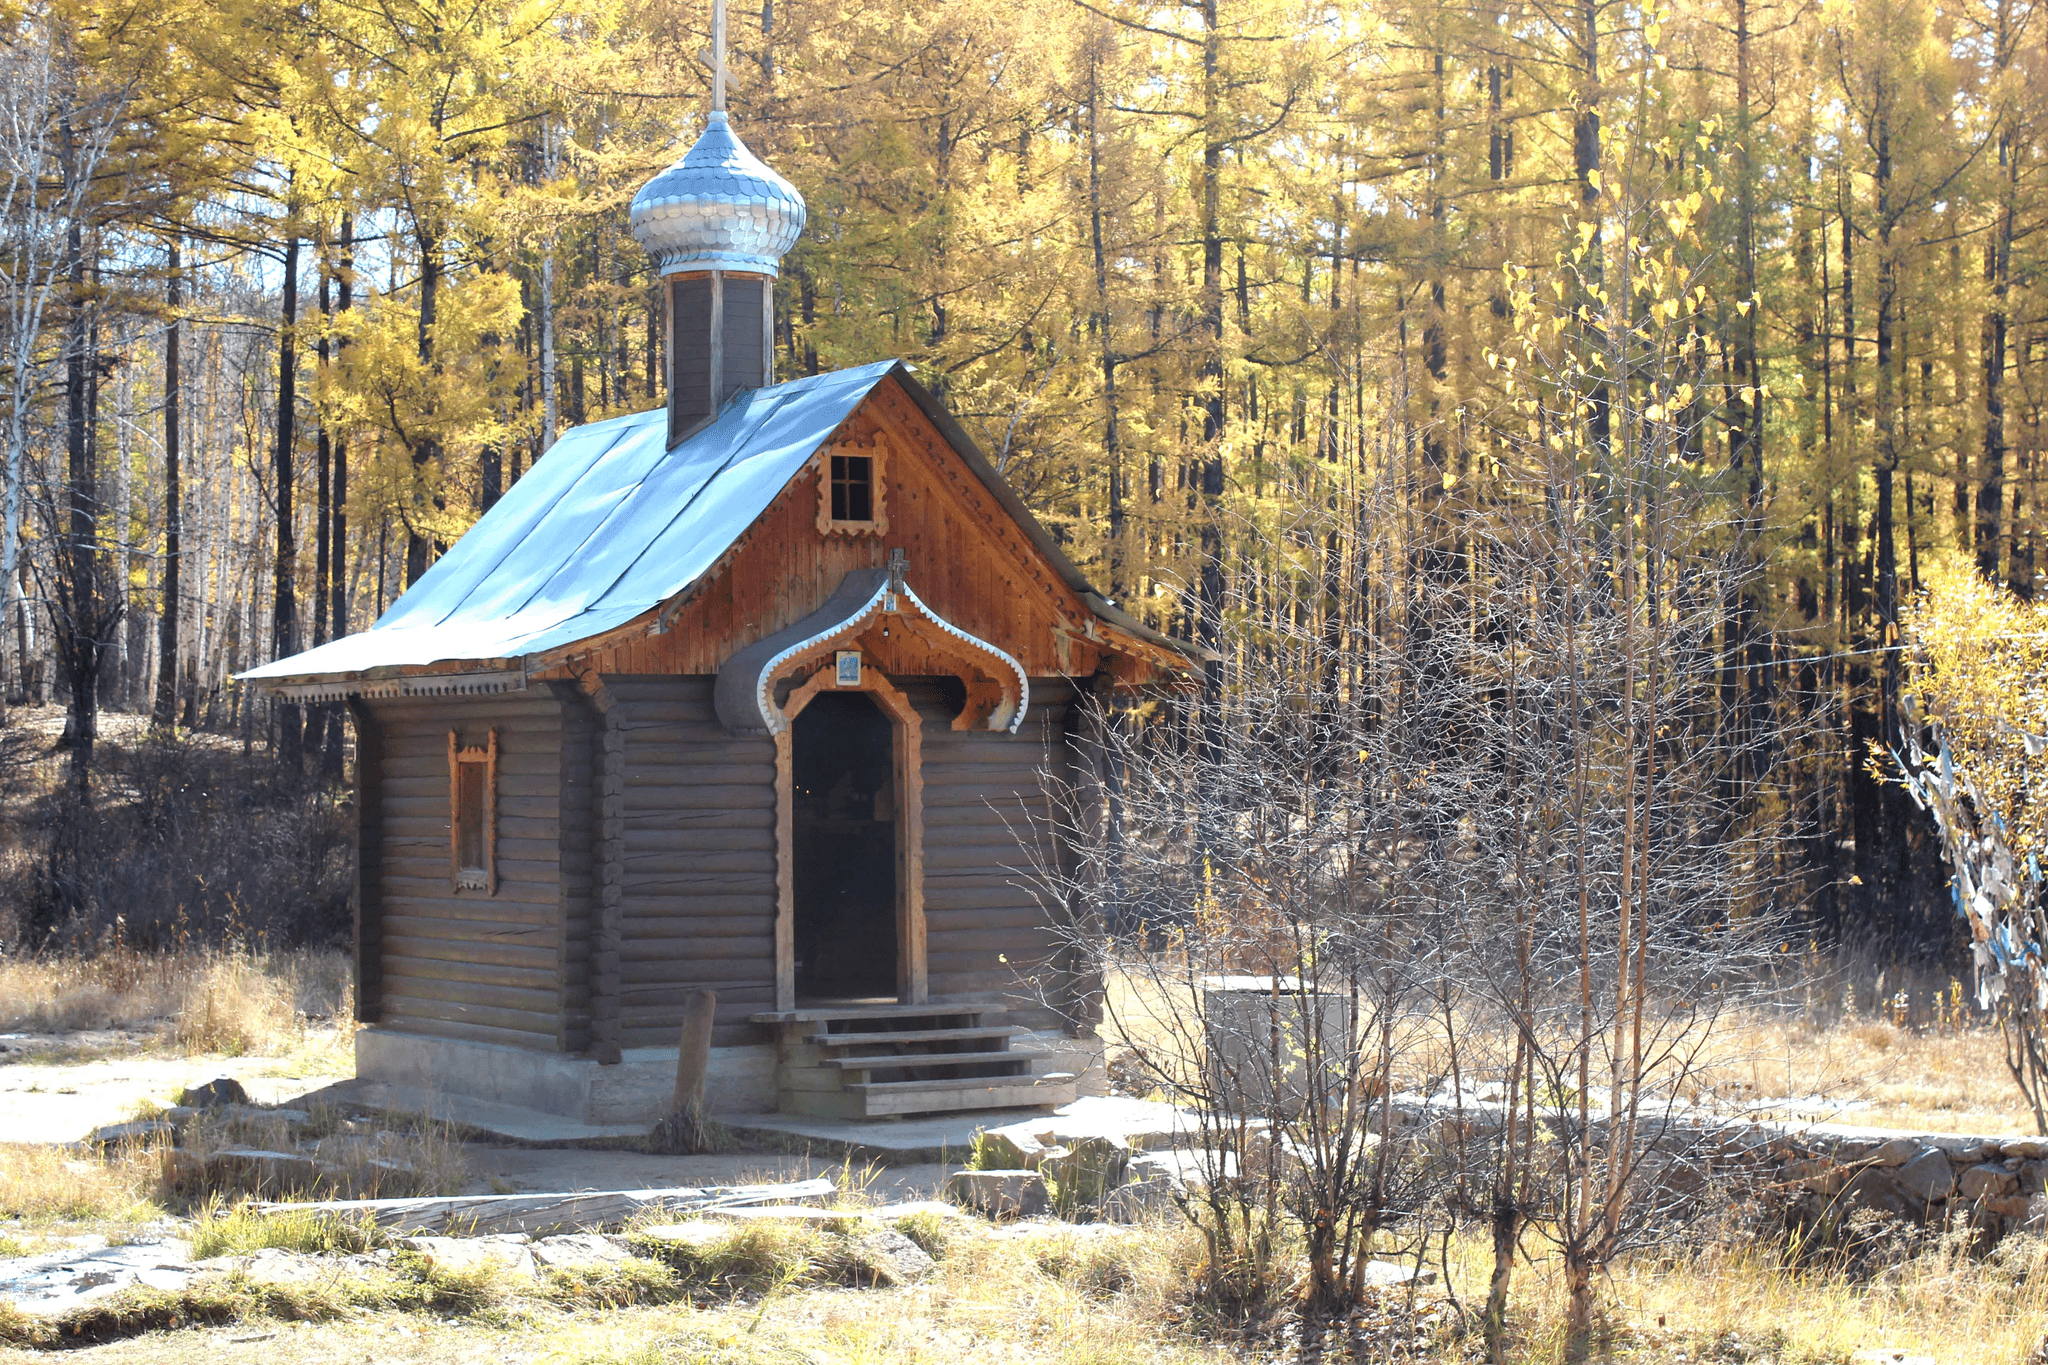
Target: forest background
(294,292)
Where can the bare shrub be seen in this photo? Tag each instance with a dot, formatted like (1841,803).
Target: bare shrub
(186,841)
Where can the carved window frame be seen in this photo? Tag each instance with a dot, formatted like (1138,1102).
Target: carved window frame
(485,755)
(877,523)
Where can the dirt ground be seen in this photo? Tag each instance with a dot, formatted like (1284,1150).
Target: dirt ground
(59,1088)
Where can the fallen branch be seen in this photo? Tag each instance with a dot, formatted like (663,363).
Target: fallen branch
(589,1210)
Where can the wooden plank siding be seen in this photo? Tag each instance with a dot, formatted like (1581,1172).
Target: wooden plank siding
(695,860)
(496,967)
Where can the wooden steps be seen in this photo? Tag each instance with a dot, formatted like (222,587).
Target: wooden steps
(860,1060)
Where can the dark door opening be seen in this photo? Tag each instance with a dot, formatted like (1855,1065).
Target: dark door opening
(843,771)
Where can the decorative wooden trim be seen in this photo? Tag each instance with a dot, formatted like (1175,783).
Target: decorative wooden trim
(369,897)
(785,871)
(461,878)
(913,979)
(871,448)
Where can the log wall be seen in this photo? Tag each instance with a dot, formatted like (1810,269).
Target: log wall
(690,871)
(492,968)
(987,934)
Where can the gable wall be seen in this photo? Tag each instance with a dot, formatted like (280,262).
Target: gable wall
(965,558)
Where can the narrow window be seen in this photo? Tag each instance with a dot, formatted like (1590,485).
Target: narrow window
(853,488)
(473,814)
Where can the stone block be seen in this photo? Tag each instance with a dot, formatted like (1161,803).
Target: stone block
(1985,1182)
(214,1094)
(508,1252)
(1087,1171)
(777,1213)
(1927,1177)
(1185,1169)
(2027,1149)
(891,1257)
(2033,1177)
(143,1130)
(1015,1146)
(576,1251)
(1897,1152)
(999,1194)
(2036,1219)
(1260,1033)
(1140,1201)
(690,1236)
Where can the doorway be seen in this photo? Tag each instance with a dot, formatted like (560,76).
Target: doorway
(844,810)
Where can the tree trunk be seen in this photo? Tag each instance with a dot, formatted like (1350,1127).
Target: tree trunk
(164,713)
(284,601)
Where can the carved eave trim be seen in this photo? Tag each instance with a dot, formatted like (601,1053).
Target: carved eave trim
(745,692)
(416,685)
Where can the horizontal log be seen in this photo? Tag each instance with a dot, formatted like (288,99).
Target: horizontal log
(656,849)
(468,1031)
(648,871)
(429,981)
(429,811)
(752,815)
(709,796)
(511,787)
(687,909)
(522,763)
(406,919)
(684,923)
(478,1215)
(483,953)
(475,908)
(685,976)
(513,888)
(539,1023)
(656,752)
(645,959)
(641,777)
(676,897)
(939,898)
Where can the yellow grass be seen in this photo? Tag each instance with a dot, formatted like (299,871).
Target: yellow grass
(227,1000)
(1947,1076)
(1943,1305)
(50,1185)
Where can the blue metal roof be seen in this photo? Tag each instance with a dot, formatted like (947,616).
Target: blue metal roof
(607,525)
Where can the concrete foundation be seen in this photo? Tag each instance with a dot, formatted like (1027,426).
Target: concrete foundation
(635,1092)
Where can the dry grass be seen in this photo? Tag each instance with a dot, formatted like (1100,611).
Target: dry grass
(1942,1074)
(1873,1072)
(1735,1303)
(227,1000)
(42,1186)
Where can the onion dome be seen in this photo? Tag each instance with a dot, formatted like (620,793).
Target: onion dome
(719,208)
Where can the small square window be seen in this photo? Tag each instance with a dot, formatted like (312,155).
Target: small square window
(473,814)
(850,490)
(853,488)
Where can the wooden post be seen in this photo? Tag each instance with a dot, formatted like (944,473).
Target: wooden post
(693,1054)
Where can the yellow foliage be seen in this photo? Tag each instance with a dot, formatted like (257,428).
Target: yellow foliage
(1979,666)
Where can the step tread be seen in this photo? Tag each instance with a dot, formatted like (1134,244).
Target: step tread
(884,1063)
(817,1014)
(1053,1081)
(921,1035)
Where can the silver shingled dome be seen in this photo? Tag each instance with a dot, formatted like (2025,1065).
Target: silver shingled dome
(719,208)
